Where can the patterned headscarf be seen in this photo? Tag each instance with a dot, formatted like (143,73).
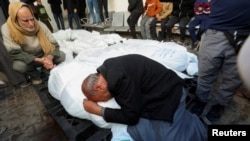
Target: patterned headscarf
(17,32)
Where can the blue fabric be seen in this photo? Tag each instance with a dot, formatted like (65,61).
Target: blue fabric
(200,20)
(186,127)
(59,20)
(74,16)
(229,14)
(94,10)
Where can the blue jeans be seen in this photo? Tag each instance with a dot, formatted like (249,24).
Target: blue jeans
(77,20)
(93,6)
(59,19)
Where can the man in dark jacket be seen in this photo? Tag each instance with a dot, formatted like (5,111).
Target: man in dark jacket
(56,9)
(71,7)
(149,95)
(135,8)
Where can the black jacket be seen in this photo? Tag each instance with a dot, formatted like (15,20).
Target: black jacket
(135,6)
(55,6)
(70,5)
(142,87)
(183,8)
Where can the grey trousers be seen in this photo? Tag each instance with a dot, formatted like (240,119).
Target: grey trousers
(217,57)
(145,27)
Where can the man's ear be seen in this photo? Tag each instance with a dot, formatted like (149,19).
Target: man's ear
(97,86)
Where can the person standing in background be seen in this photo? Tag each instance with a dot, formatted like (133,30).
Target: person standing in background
(56,9)
(82,10)
(135,7)
(42,14)
(31,3)
(94,12)
(218,57)
(71,6)
(103,4)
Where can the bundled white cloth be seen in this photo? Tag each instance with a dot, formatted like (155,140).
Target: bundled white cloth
(65,80)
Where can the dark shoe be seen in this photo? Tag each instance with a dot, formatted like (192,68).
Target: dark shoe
(215,112)
(24,84)
(198,107)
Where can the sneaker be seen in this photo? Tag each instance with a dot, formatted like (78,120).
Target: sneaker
(198,107)
(101,24)
(36,81)
(215,112)
(94,24)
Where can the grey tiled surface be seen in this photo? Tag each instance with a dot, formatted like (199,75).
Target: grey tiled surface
(26,118)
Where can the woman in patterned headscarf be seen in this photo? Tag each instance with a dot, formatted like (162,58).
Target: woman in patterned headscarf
(29,42)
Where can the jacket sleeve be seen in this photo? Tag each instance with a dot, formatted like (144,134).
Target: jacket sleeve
(126,93)
(132,4)
(128,97)
(158,7)
(190,12)
(168,11)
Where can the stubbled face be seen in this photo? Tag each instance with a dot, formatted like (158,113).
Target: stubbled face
(25,19)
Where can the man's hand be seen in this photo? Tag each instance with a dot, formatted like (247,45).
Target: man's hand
(48,62)
(92,107)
